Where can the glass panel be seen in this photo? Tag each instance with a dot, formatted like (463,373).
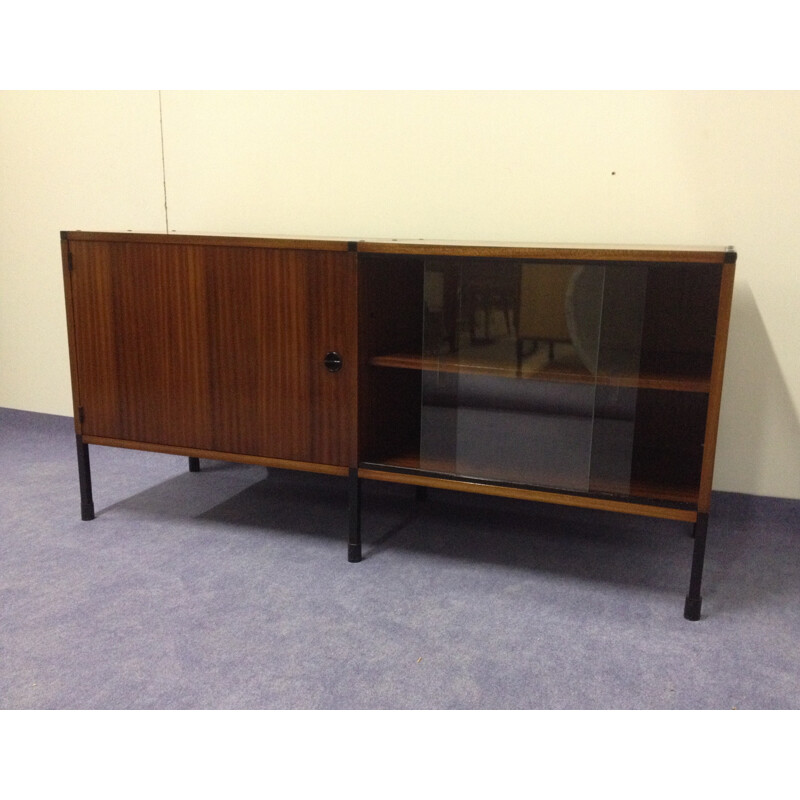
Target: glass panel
(441,347)
(510,355)
(654,362)
(619,357)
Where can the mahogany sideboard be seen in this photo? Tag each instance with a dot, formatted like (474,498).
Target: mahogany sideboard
(582,376)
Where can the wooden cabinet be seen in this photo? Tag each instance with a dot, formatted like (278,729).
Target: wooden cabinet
(581,376)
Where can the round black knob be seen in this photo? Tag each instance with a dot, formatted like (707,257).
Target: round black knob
(333,362)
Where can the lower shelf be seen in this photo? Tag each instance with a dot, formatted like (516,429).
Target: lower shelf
(596,489)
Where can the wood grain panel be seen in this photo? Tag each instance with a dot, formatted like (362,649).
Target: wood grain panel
(273,315)
(333,302)
(158,300)
(218,348)
(94,356)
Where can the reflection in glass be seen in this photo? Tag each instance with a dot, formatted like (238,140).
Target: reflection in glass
(489,330)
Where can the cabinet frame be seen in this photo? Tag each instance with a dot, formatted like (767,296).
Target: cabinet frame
(371,415)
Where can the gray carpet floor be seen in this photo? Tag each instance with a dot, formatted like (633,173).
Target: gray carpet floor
(230,589)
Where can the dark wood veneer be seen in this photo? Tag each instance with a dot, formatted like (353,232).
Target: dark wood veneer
(216,347)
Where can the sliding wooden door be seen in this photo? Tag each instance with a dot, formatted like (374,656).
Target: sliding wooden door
(216,346)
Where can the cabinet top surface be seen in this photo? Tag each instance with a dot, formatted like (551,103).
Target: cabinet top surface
(603,252)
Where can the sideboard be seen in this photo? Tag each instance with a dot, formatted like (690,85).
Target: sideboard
(577,375)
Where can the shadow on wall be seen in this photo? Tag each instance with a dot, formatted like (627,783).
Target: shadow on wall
(758,449)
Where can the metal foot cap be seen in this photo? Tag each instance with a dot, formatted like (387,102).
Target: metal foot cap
(692,608)
(354,553)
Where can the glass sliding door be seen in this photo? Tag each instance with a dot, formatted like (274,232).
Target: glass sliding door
(509,389)
(656,349)
(618,368)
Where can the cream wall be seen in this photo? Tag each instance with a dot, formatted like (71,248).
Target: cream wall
(672,168)
(67,160)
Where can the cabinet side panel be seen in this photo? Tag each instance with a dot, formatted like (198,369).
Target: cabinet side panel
(73,352)
(715,395)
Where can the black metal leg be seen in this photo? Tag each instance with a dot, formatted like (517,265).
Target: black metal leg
(354,505)
(693,600)
(194,464)
(85,479)
(422,493)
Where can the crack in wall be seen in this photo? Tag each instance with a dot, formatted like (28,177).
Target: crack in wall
(163,162)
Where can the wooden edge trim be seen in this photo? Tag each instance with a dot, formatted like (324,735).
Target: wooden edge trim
(242,458)
(497,250)
(73,354)
(715,392)
(680,514)
(287,243)
(549,253)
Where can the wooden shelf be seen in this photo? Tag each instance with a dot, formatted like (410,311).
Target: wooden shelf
(641,490)
(555,371)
